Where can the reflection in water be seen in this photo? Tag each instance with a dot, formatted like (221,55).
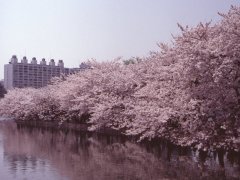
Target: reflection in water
(31,153)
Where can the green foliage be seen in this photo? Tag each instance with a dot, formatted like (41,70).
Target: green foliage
(133,60)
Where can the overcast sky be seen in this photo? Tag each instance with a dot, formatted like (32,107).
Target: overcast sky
(76,30)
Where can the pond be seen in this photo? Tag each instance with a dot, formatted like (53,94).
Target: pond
(36,154)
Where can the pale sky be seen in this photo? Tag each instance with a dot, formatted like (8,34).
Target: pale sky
(76,30)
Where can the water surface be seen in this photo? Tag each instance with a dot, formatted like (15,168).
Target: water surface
(48,154)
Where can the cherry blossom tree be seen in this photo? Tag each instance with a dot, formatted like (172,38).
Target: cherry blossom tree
(187,92)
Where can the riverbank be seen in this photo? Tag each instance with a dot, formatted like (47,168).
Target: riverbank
(177,142)
(67,126)
(219,156)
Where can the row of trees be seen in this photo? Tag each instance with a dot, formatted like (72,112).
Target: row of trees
(187,92)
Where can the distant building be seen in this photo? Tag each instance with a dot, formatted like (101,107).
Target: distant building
(82,67)
(23,74)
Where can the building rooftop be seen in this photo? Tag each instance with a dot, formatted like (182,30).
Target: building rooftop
(24,60)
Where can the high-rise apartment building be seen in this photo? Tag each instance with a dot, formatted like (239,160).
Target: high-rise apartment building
(23,74)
